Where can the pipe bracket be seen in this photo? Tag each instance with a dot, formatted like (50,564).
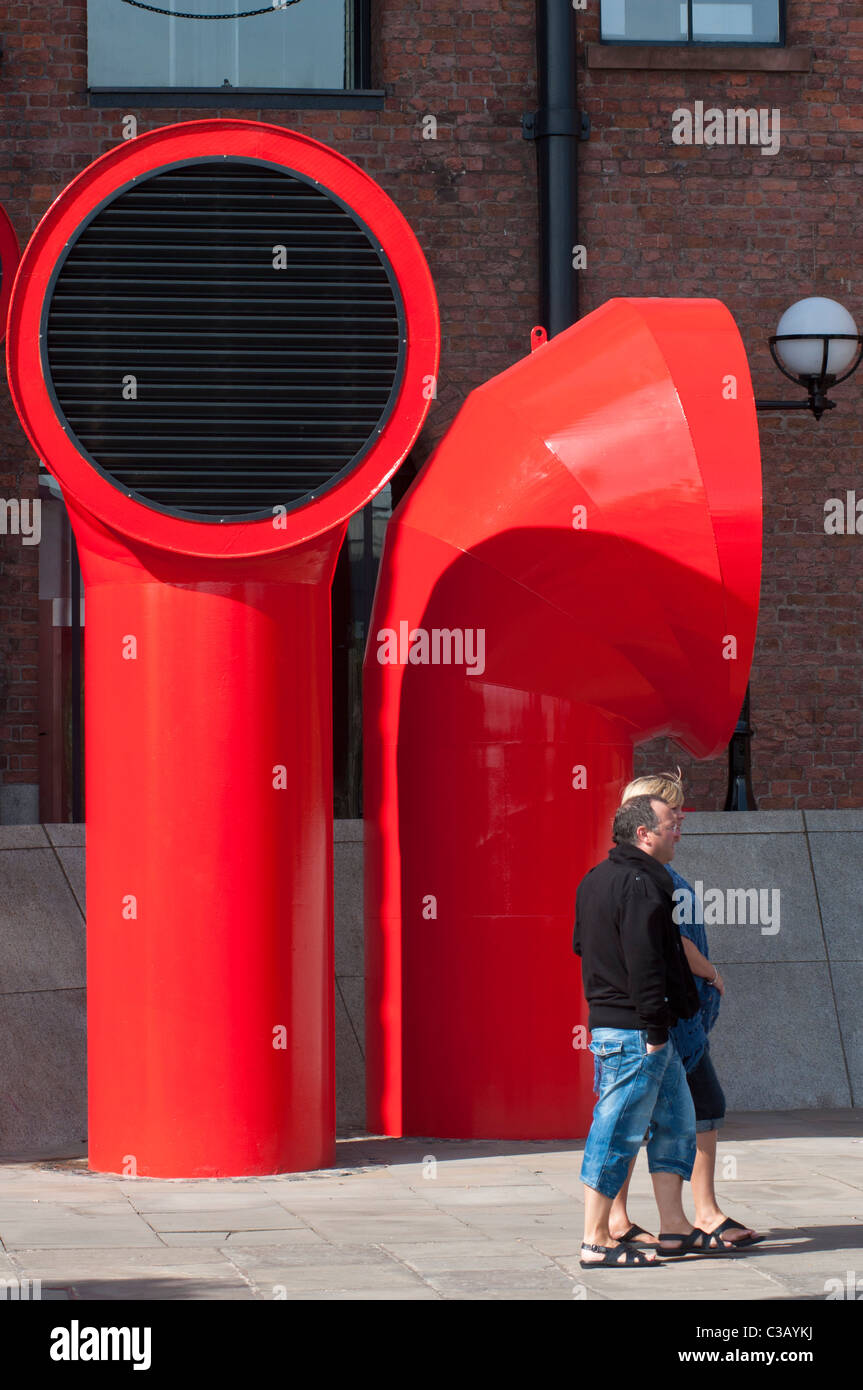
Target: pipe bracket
(551,120)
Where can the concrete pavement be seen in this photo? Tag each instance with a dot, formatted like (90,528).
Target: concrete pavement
(424,1219)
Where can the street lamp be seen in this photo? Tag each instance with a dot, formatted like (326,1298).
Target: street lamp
(816,345)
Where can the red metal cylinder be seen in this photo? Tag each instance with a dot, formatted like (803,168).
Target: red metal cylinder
(209,862)
(575,570)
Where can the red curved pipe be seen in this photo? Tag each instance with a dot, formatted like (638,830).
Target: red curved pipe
(591,526)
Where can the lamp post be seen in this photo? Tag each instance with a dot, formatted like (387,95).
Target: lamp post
(817,346)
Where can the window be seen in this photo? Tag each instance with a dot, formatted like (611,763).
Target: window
(693,21)
(300,44)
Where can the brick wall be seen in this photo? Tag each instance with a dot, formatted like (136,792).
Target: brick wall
(758,232)
(657,219)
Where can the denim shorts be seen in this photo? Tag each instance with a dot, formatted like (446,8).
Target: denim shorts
(641,1095)
(707,1094)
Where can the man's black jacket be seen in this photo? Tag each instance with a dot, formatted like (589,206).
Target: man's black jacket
(634,969)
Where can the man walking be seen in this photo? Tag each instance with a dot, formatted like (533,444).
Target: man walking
(638,984)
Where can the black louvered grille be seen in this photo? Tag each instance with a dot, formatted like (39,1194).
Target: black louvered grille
(254,386)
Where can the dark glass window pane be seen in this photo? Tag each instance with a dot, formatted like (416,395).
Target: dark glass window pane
(301,46)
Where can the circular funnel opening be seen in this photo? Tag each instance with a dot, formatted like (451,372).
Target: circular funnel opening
(222,338)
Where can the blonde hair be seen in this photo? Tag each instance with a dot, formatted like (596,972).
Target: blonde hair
(665,786)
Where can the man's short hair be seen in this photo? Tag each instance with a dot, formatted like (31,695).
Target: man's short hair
(633,813)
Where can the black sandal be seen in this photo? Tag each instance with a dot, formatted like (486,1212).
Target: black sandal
(629,1239)
(630,1257)
(705,1242)
(729,1225)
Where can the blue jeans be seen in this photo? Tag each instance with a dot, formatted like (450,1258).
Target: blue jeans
(641,1094)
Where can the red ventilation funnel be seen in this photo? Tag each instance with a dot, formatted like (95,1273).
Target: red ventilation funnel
(220,343)
(574,571)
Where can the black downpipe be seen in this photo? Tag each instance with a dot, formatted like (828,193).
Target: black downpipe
(740,796)
(557,132)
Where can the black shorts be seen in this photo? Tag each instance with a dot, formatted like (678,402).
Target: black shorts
(707,1094)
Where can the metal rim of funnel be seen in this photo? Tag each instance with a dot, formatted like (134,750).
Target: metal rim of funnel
(147,154)
(249,513)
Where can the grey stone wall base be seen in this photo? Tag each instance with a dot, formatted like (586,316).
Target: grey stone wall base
(19,803)
(790,1030)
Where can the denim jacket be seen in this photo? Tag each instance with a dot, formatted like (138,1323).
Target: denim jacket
(689,1035)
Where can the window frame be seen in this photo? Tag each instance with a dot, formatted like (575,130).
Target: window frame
(362,95)
(705,43)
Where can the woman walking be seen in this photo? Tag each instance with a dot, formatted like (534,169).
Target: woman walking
(713,1230)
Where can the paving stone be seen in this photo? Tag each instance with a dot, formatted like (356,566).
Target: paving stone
(507,1226)
(514,1295)
(432,1257)
(337,1278)
(542,1197)
(37,1189)
(323,1253)
(477,1283)
(447,1176)
(27,1226)
(216,1199)
(299,1236)
(417,1295)
(242,1218)
(126,1274)
(363,1193)
(215,1239)
(843,1167)
(266,1270)
(653,1294)
(382,1231)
